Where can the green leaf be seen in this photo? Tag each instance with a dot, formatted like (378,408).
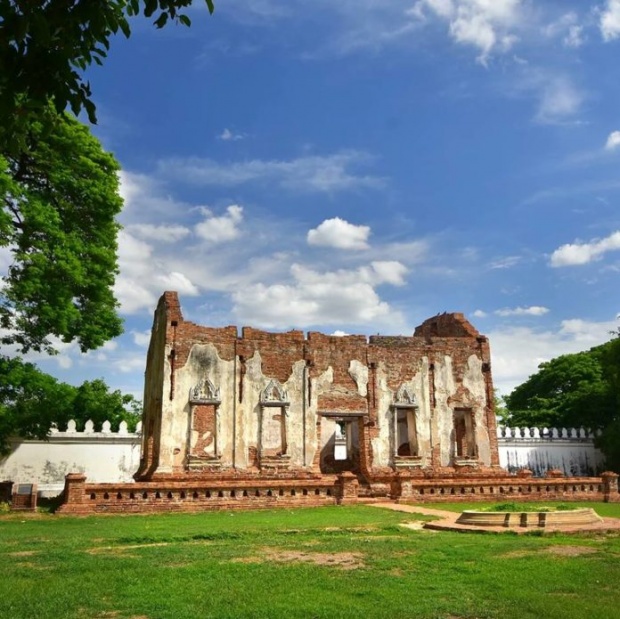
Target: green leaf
(124,26)
(150,6)
(160,22)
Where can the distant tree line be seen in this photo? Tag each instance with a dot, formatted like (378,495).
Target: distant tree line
(31,401)
(581,389)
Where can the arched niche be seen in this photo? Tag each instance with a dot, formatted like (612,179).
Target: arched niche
(203,436)
(273,410)
(406,445)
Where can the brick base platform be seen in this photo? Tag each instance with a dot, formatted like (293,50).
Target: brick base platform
(182,495)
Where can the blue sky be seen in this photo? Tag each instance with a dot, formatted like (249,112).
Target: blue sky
(359,166)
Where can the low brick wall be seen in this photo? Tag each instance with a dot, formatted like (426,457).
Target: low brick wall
(19,496)
(188,496)
(514,488)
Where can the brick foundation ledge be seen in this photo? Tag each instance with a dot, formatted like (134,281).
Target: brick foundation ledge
(81,497)
(253,493)
(508,488)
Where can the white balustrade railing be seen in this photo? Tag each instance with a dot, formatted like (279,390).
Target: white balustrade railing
(89,428)
(505,433)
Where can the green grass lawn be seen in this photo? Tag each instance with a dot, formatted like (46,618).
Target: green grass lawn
(325,562)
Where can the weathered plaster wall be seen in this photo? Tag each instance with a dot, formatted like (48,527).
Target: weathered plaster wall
(571,451)
(445,366)
(101,456)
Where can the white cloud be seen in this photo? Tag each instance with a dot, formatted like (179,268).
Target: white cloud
(533,310)
(518,351)
(560,100)
(133,296)
(409,252)
(567,27)
(577,253)
(254,12)
(223,228)
(161,234)
(328,298)
(505,263)
(62,359)
(228,136)
(610,20)
(312,173)
(613,140)
(141,338)
(484,24)
(128,363)
(146,195)
(176,281)
(387,272)
(479,314)
(574,37)
(340,234)
(443,8)
(143,276)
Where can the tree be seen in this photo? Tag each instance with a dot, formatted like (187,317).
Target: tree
(576,390)
(568,391)
(500,405)
(60,197)
(31,401)
(93,400)
(46,45)
(609,441)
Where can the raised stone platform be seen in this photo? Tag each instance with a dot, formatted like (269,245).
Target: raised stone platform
(447,521)
(572,517)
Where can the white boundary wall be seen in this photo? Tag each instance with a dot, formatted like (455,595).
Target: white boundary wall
(102,456)
(571,450)
(114,456)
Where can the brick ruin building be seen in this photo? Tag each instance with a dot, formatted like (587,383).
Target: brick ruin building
(284,405)
(263,419)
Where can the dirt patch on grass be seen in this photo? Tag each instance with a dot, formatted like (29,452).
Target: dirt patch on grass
(558,551)
(32,566)
(340,560)
(396,572)
(116,614)
(416,525)
(571,551)
(121,550)
(23,553)
(381,538)
(517,554)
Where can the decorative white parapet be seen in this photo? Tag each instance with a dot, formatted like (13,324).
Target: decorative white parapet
(105,456)
(571,450)
(525,433)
